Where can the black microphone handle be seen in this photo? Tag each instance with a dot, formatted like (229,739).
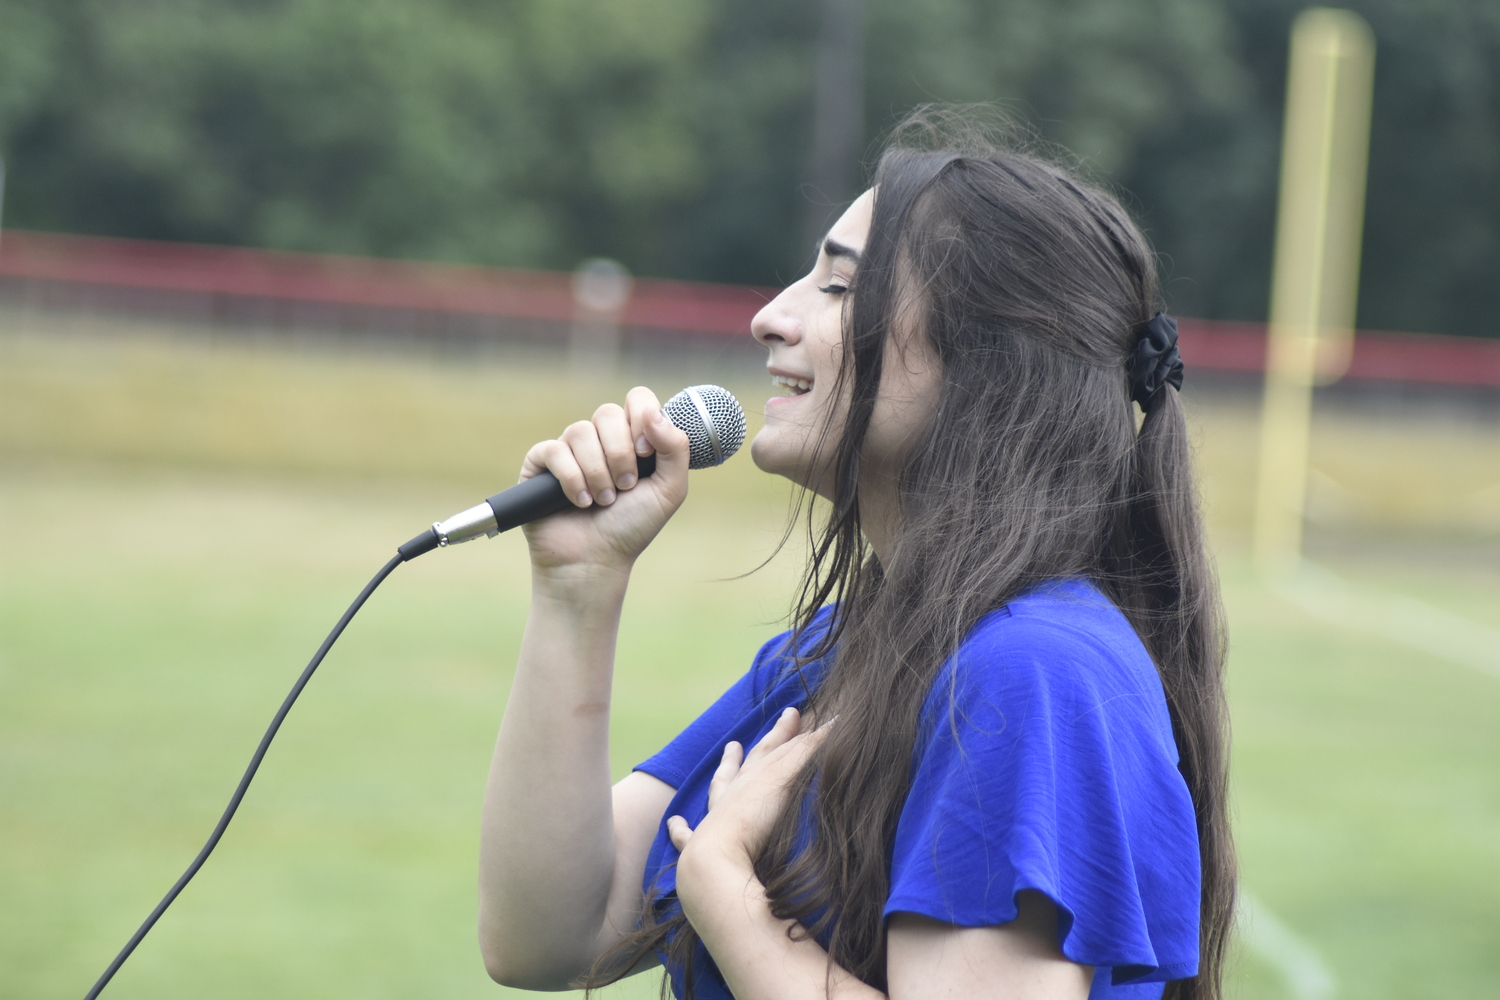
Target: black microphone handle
(532,500)
(542,495)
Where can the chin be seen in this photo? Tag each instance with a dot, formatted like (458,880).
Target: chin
(763,453)
(779,457)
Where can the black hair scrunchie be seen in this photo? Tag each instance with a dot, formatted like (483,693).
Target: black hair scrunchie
(1155,363)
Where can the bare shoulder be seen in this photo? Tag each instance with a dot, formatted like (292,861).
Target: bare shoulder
(640,799)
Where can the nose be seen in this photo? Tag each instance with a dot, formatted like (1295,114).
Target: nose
(777,323)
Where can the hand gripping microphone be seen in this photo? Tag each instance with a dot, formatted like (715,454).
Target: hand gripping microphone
(709,415)
(715,426)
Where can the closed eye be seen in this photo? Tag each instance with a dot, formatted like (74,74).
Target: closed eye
(833,288)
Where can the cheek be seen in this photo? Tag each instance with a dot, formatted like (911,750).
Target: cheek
(825,347)
(902,415)
(790,444)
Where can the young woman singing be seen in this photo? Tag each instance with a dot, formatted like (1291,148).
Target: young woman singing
(989,758)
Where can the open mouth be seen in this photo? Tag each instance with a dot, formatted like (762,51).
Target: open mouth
(796,386)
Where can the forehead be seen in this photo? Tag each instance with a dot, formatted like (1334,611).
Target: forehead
(853,227)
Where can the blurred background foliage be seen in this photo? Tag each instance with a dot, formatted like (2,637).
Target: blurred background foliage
(675,135)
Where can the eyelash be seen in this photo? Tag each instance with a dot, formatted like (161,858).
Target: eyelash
(834,288)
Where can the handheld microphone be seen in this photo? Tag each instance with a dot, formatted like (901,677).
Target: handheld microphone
(708,414)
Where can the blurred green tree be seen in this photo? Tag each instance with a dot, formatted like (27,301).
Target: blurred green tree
(1207,182)
(441,129)
(675,134)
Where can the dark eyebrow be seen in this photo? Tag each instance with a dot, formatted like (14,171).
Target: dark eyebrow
(834,248)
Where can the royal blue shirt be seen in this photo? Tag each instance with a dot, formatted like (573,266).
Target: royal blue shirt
(1045,761)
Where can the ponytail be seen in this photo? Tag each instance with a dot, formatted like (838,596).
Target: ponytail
(1171,598)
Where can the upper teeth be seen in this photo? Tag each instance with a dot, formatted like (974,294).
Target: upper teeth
(791,383)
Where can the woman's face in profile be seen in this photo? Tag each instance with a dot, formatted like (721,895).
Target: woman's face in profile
(803,330)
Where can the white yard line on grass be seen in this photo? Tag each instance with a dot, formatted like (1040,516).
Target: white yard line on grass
(1302,969)
(1406,620)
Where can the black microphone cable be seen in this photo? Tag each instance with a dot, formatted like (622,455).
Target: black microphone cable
(425,542)
(244,785)
(715,426)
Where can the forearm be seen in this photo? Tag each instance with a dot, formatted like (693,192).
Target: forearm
(759,959)
(546,843)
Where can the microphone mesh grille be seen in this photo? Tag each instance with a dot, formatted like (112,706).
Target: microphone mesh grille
(726,422)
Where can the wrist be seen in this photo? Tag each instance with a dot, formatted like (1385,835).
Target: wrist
(707,871)
(592,584)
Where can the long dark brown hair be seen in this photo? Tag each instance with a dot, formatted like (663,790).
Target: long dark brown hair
(1029,286)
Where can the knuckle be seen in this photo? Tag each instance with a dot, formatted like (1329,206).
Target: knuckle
(609,410)
(545,454)
(642,403)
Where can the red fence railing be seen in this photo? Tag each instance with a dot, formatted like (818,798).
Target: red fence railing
(275,275)
(216,281)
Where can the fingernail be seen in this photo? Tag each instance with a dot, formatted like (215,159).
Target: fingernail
(606,496)
(584,499)
(659,417)
(626,481)
(642,446)
(788,711)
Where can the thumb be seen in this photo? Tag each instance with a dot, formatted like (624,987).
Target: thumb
(679,831)
(671,444)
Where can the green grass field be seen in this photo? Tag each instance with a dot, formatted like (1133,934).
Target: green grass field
(184,515)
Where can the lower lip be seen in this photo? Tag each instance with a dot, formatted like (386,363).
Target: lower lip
(774,400)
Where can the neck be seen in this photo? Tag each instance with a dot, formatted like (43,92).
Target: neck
(879,514)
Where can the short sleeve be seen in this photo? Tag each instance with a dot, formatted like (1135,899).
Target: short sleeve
(1046,762)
